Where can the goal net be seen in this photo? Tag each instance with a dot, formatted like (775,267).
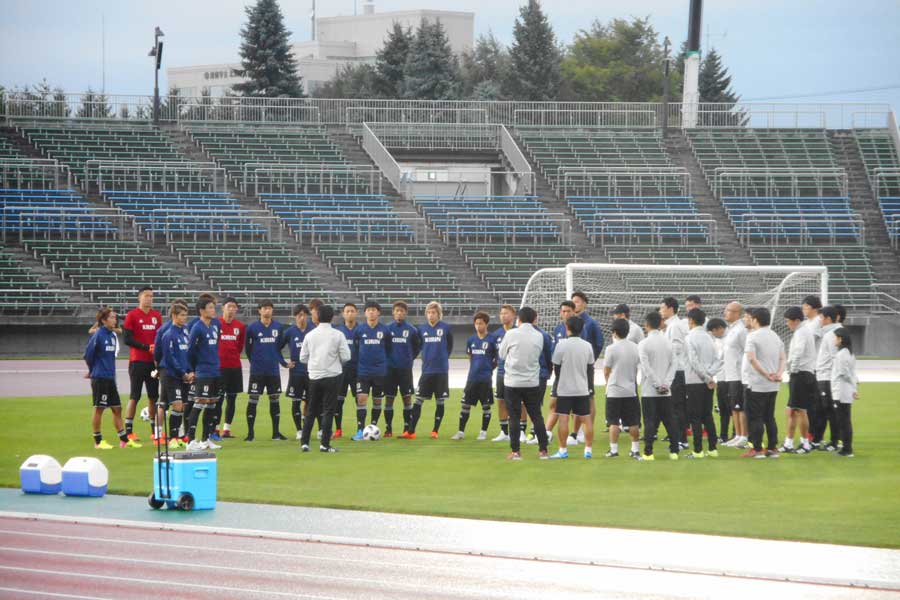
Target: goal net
(642,288)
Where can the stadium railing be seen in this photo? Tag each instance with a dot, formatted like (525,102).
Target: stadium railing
(764,181)
(34,173)
(382,158)
(615,116)
(662,229)
(262,178)
(190,176)
(802,229)
(624,181)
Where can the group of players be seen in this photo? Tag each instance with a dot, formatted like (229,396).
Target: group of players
(192,368)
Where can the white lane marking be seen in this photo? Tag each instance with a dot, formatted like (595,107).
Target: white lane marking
(51,594)
(156,583)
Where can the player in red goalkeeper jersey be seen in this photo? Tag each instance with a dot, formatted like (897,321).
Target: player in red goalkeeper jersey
(139,331)
(231,344)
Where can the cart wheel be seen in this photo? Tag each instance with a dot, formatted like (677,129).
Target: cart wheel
(186,502)
(154,503)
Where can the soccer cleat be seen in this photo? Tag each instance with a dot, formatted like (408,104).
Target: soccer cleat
(102,445)
(501,437)
(434,435)
(407,436)
(457,436)
(277,437)
(328,450)
(683,445)
(304,448)
(358,436)
(482,435)
(338,433)
(227,434)
(299,435)
(713,454)
(133,437)
(542,455)
(559,454)
(673,456)
(157,441)
(514,456)
(732,442)
(196,446)
(634,455)
(803,450)
(130,444)
(211,445)
(250,437)
(786,449)
(175,444)
(216,437)
(588,454)
(611,454)
(845,454)
(772,454)
(694,455)
(761,454)
(532,440)
(646,457)
(388,433)
(751,453)
(830,448)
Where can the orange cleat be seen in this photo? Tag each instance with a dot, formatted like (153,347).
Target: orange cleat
(133,437)
(408,436)
(337,433)
(434,435)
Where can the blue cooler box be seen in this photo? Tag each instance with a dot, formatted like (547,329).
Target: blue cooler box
(190,473)
(41,474)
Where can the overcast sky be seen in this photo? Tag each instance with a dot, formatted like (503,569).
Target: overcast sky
(774,49)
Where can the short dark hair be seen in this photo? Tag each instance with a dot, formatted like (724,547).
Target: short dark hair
(325,313)
(264,303)
(527,314)
(620,327)
(301,308)
(483,316)
(373,304)
(229,300)
(145,288)
(829,312)
(762,316)
(568,303)
(203,301)
(401,304)
(580,294)
(697,316)
(716,323)
(346,304)
(671,302)
(622,309)
(813,301)
(793,313)
(315,303)
(575,325)
(653,320)
(841,311)
(694,298)
(846,340)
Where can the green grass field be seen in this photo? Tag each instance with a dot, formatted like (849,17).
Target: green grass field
(818,498)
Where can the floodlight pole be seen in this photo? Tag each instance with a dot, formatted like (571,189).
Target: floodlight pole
(156,52)
(665,100)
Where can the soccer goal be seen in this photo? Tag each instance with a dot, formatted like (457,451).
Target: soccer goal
(642,287)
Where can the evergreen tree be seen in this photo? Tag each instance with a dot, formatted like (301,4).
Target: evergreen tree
(714,81)
(351,81)
(390,63)
(94,106)
(535,57)
(266,55)
(484,68)
(431,71)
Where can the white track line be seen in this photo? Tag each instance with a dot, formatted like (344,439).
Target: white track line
(155,582)
(51,594)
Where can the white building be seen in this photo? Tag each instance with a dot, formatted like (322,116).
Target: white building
(338,41)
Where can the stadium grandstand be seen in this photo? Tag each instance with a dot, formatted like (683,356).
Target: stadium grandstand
(417,201)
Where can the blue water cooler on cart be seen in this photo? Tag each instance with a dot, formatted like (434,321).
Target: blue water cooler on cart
(184,480)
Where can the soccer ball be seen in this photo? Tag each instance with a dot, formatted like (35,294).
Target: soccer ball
(145,414)
(371,433)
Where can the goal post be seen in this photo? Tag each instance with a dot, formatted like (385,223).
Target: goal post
(643,286)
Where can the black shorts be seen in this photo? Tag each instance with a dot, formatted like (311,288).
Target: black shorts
(232,380)
(434,384)
(501,387)
(370,385)
(140,375)
(742,398)
(298,387)
(626,410)
(399,382)
(203,390)
(580,406)
(105,392)
(173,390)
(803,390)
(478,391)
(264,384)
(348,383)
(735,392)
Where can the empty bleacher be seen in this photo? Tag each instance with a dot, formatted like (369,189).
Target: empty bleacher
(76,144)
(7,149)
(879,156)
(22,292)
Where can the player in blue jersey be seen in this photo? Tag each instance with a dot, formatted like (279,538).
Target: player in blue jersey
(405,347)
(263,348)
(100,357)
(298,381)
(176,373)
(437,344)
(348,378)
(482,360)
(507,322)
(163,402)
(203,357)
(373,345)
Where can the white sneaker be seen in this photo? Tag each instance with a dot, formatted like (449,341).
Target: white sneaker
(521,437)
(531,441)
(580,436)
(458,435)
(211,445)
(732,442)
(482,435)
(299,435)
(501,437)
(195,446)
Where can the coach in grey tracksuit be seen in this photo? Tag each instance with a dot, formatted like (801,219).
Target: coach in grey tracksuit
(703,362)
(657,372)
